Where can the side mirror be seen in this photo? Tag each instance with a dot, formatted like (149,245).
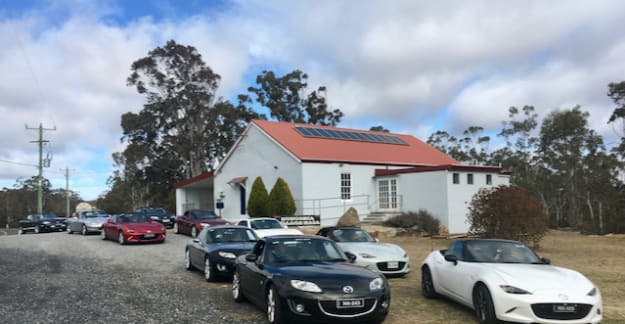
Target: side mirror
(196,240)
(545,260)
(351,257)
(452,258)
(251,257)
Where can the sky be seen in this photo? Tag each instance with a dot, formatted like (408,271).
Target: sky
(413,66)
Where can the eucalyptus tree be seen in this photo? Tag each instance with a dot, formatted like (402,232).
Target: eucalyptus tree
(287,99)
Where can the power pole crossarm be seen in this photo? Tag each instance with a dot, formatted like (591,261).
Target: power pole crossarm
(40,141)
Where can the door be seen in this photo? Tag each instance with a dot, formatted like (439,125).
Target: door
(387,194)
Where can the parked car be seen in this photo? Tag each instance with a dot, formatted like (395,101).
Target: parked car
(265,226)
(214,250)
(300,278)
(44,222)
(506,281)
(87,222)
(158,214)
(389,259)
(133,228)
(193,221)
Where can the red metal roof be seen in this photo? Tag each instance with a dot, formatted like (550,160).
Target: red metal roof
(195,179)
(312,149)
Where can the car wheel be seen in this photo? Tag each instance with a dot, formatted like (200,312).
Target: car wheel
(427,283)
(69,229)
(274,307)
(83,230)
(483,304)
(193,231)
(120,238)
(37,230)
(103,234)
(209,274)
(187,260)
(176,230)
(236,288)
(20,232)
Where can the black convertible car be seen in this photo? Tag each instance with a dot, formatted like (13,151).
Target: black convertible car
(44,222)
(309,279)
(215,249)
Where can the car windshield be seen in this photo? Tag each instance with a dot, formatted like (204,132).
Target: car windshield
(44,216)
(91,214)
(350,235)
(265,224)
(155,211)
(204,214)
(499,251)
(133,218)
(294,250)
(230,235)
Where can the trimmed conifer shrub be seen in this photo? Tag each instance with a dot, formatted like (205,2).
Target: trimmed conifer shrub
(281,201)
(257,204)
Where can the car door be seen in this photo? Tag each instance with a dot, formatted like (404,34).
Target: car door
(111,227)
(184,223)
(458,278)
(253,276)
(197,249)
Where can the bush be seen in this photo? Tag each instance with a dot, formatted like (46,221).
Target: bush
(421,220)
(508,213)
(280,202)
(257,204)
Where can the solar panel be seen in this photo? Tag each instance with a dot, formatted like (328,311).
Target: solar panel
(349,135)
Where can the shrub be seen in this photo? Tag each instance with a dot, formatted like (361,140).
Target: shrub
(422,220)
(280,202)
(508,213)
(257,204)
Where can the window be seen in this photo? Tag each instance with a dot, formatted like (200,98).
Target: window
(489,179)
(346,186)
(470,178)
(456,178)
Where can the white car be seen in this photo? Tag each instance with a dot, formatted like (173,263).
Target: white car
(389,259)
(266,226)
(506,281)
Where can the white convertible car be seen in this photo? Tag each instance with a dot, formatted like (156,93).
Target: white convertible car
(506,281)
(389,259)
(266,226)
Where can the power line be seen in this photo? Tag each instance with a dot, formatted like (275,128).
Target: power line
(17,163)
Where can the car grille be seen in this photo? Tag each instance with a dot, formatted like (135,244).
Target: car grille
(382,266)
(329,307)
(546,311)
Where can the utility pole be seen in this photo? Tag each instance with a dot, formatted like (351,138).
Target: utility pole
(40,141)
(67,192)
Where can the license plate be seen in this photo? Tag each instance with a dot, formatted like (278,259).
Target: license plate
(149,235)
(564,308)
(350,303)
(392,265)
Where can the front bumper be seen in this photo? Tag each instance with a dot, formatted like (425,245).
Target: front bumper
(549,308)
(386,267)
(52,227)
(304,306)
(144,237)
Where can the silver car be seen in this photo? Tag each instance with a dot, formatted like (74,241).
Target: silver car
(87,222)
(389,259)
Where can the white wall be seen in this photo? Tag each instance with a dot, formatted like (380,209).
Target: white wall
(425,190)
(322,190)
(193,198)
(256,155)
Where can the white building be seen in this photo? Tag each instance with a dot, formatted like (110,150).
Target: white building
(330,169)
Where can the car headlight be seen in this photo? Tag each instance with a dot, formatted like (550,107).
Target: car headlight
(46,223)
(514,290)
(205,224)
(227,255)
(366,256)
(130,231)
(305,286)
(376,284)
(592,292)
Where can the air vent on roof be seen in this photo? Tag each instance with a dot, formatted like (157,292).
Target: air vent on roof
(349,135)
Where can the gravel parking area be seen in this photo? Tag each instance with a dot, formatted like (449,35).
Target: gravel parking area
(62,278)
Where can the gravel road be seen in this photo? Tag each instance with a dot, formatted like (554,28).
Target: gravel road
(62,278)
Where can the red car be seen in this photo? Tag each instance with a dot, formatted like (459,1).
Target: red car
(193,221)
(133,228)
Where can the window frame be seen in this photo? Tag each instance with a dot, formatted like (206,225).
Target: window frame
(345,186)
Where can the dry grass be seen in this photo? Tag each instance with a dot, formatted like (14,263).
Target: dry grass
(600,258)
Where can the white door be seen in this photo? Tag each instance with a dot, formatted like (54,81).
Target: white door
(387,194)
